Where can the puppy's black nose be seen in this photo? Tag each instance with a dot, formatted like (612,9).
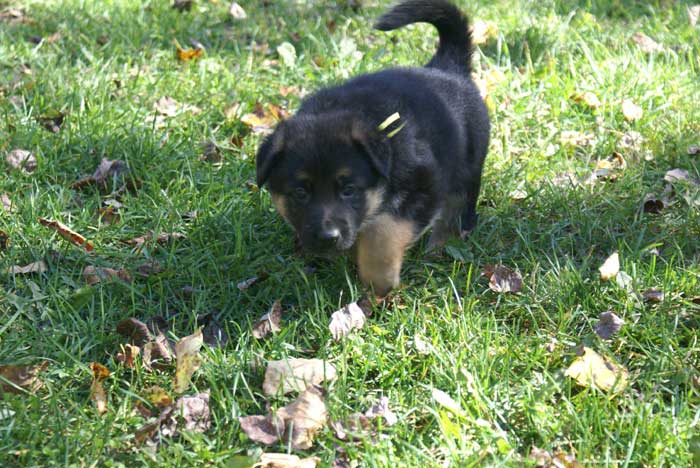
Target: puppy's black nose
(328,236)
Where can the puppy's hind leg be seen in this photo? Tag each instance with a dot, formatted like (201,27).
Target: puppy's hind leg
(469,216)
(447,223)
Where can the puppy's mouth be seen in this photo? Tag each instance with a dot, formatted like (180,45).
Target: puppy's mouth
(328,247)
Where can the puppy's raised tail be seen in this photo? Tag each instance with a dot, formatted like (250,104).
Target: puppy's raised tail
(455,48)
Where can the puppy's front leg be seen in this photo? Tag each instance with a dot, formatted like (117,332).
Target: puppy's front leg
(380,250)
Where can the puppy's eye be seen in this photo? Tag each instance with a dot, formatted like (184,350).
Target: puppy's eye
(300,194)
(348,191)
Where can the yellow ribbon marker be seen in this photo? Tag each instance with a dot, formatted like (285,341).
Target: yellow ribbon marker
(388,121)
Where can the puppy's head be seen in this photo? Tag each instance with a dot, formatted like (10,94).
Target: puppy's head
(326,175)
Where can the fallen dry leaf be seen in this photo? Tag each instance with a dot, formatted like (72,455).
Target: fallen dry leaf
(127,355)
(169,107)
(22,159)
(237,12)
(190,413)
(518,194)
(587,98)
(110,211)
(502,279)
(576,138)
(262,276)
(287,53)
(161,238)
(646,44)
(693,150)
(343,321)
(154,349)
(211,152)
(482,31)
(676,175)
(263,429)
(269,322)
(16,379)
(52,120)
(158,396)
(653,295)
(652,204)
(107,171)
(4,241)
(188,360)
(693,14)
(283,460)
(135,330)
(304,418)
(157,353)
(67,233)
(590,369)
(631,140)
(6,203)
(544,459)
(420,345)
(290,375)
(381,410)
(289,90)
(94,275)
(609,324)
(631,111)
(182,5)
(213,333)
(610,268)
(261,121)
(297,423)
(97,393)
(185,55)
(34,267)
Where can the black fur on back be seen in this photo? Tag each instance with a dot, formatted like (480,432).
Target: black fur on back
(455,49)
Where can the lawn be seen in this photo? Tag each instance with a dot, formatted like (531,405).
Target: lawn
(565,186)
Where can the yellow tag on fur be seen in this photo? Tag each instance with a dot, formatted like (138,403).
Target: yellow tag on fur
(388,121)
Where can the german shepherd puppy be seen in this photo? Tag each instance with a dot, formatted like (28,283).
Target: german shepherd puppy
(370,165)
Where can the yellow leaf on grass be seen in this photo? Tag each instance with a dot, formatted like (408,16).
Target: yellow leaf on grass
(185,55)
(188,360)
(610,268)
(482,31)
(97,393)
(592,370)
(631,111)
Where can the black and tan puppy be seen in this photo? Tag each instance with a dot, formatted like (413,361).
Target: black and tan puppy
(371,164)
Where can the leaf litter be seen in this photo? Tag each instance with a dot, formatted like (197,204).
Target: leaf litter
(22,159)
(34,267)
(19,378)
(94,275)
(608,325)
(295,374)
(97,393)
(67,233)
(365,425)
(590,369)
(343,321)
(269,322)
(502,279)
(296,424)
(610,268)
(188,413)
(188,360)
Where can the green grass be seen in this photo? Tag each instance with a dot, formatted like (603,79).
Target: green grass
(490,354)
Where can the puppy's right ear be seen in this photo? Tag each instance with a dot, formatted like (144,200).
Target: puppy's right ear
(269,154)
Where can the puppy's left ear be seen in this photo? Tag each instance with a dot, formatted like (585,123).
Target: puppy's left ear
(374,144)
(269,154)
